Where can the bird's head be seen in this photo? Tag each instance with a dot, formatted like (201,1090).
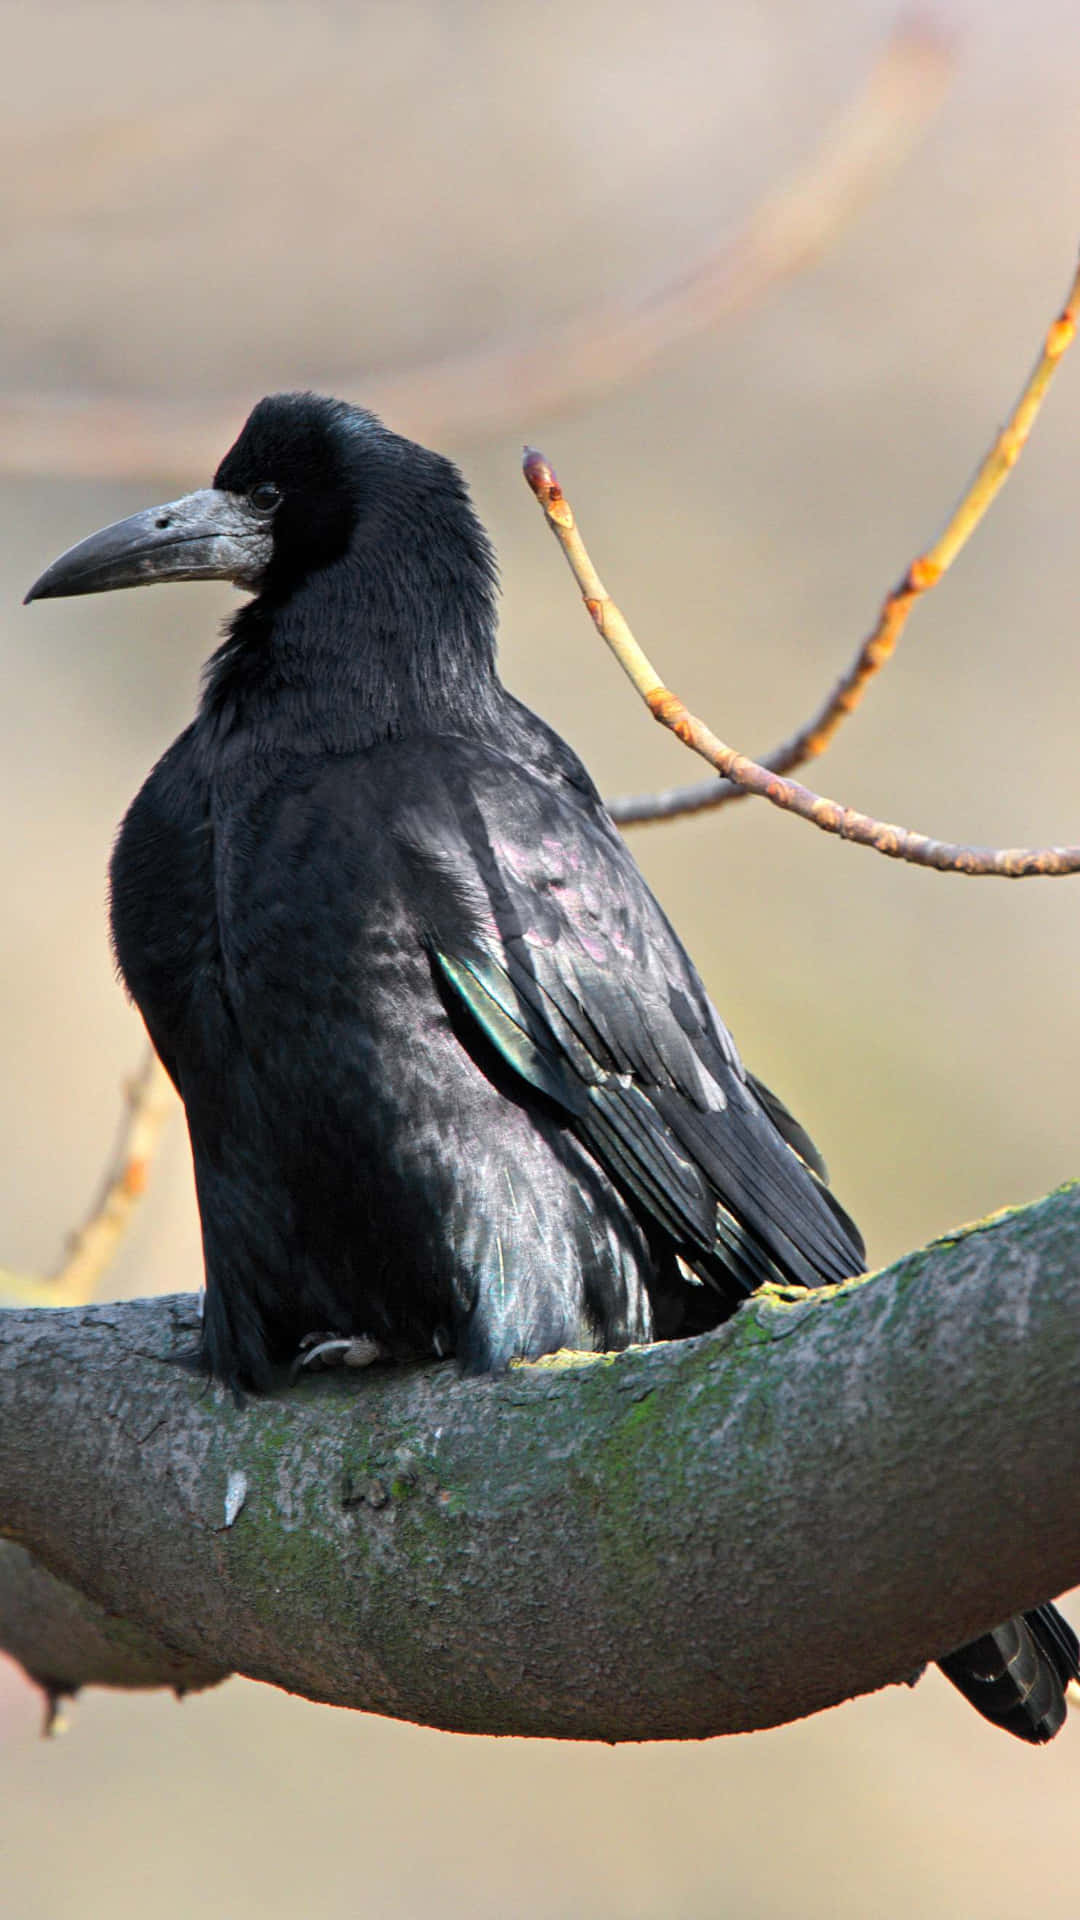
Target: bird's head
(309,481)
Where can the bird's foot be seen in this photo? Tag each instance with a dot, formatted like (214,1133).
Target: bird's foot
(319,1350)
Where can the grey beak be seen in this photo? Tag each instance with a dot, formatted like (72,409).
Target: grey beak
(210,535)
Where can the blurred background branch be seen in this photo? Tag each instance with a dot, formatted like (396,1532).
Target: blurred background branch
(149,1101)
(487,389)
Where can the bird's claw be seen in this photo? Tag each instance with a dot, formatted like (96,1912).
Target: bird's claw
(318,1350)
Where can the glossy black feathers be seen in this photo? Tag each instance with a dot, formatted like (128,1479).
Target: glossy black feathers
(451,1080)
(1016,1676)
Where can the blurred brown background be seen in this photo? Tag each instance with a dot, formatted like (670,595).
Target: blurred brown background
(202,201)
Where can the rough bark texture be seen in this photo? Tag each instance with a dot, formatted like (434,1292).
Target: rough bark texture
(66,1641)
(682,1540)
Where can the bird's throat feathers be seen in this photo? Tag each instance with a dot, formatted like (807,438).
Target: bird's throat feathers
(395,637)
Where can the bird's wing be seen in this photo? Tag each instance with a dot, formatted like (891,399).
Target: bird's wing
(561,958)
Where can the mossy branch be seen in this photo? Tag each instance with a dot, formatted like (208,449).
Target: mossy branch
(689,1539)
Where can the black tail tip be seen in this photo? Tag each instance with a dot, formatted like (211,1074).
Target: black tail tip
(1017,1676)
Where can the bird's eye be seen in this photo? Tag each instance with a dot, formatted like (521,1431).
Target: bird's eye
(265,496)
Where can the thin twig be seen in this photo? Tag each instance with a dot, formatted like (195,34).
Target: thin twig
(899,843)
(487,390)
(150,1100)
(816,735)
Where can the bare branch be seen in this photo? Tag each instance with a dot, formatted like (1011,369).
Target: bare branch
(812,739)
(489,389)
(150,1099)
(898,843)
(636,1546)
(65,1641)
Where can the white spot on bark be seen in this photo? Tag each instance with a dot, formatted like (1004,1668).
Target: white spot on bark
(235,1494)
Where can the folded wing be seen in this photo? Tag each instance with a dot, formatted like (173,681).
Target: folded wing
(572,973)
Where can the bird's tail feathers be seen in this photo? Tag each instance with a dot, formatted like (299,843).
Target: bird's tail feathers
(1016,1675)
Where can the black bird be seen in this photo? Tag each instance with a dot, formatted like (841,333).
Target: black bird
(452,1083)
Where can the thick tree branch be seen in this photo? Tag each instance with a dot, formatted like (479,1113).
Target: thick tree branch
(65,1641)
(687,1539)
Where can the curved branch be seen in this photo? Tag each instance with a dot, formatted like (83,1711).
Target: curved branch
(896,843)
(815,735)
(65,1641)
(688,1539)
